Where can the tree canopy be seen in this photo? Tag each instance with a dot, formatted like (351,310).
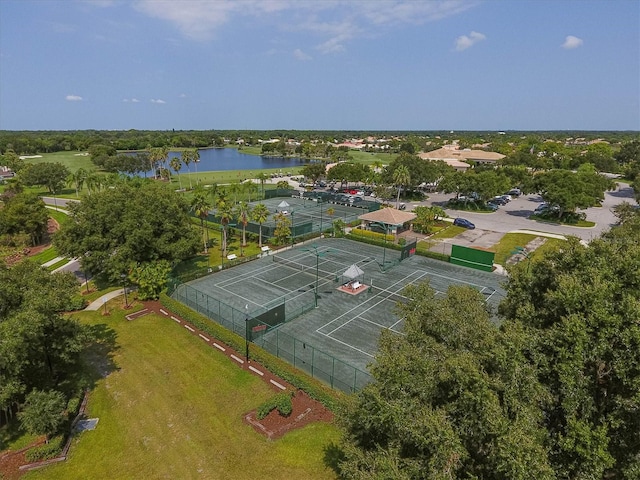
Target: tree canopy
(551,393)
(133,223)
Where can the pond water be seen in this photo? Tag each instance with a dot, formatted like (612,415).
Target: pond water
(215,159)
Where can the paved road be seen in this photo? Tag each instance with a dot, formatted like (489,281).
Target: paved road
(514,215)
(57,202)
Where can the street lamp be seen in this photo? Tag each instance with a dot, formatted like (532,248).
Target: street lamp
(246,332)
(293,229)
(384,247)
(124,285)
(314,249)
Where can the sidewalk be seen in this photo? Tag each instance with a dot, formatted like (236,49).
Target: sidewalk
(97,304)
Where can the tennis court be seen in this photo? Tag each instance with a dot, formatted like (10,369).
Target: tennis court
(341,334)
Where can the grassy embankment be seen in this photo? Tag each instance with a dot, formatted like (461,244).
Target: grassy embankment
(172,407)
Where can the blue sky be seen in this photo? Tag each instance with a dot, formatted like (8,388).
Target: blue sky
(320,65)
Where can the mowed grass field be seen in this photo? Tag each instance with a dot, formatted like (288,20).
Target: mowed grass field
(172,407)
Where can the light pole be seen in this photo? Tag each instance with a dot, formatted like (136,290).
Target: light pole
(293,229)
(314,249)
(384,246)
(246,332)
(320,201)
(124,286)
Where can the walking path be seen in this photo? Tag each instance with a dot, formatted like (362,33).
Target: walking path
(97,304)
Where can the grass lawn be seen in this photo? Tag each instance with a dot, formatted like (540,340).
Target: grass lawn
(510,241)
(449,232)
(72,160)
(172,407)
(556,221)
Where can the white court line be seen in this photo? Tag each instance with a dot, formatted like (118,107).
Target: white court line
(203,337)
(188,328)
(163,312)
(367,301)
(254,369)
(222,349)
(175,319)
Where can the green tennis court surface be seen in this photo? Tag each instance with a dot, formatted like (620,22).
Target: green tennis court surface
(337,340)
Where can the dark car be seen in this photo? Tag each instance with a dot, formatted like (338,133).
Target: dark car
(462,222)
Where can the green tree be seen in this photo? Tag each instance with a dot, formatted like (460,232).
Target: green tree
(77,179)
(151,279)
(570,191)
(282,231)
(263,177)
(451,398)
(200,205)
(49,175)
(314,171)
(579,308)
(226,214)
(244,213)
(260,214)
(134,222)
(401,178)
(176,165)
(43,413)
(426,217)
(24,213)
(188,157)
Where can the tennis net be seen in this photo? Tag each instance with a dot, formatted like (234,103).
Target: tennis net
(301,267)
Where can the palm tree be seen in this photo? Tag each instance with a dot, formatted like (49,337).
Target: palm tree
(77,179)
(243,211)
(234,189)
(176,164)
(225,212)
(156,155)
(250,188)
(187,157)
(195,156)
(260,214)
(263,177)
(94,182)
(201,205)
(401,178)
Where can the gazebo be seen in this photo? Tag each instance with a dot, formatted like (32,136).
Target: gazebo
(283,206)
(391,220)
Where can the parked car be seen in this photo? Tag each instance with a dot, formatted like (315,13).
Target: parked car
(507,198)
(463,222)
(402,206)
(492,206)
(499,200)
(542,207)
(514,192)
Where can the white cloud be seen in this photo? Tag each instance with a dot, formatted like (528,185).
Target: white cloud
(133,100)
(157,100)
(572,42)
(339,20)
(73,98)
(463,42)
(300,55)
(182,95)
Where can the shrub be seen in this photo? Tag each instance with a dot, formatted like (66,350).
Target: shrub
(46,451)
(281,402)
(372,235)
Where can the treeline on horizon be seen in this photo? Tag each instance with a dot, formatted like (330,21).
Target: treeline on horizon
(48,141)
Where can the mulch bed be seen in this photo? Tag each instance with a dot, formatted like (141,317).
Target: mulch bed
(10,461)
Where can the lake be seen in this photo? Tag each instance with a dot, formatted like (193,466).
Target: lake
(215,159)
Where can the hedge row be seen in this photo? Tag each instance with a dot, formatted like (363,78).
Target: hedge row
(332,399)
(373,235)
(372,241)
(46,451)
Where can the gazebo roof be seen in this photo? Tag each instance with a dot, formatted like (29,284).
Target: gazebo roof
(353,271)
(388,216)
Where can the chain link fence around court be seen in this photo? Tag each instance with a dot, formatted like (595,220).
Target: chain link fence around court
(260,327)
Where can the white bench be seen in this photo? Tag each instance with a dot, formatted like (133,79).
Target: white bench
(356,285)
(265,248)
(232,256)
